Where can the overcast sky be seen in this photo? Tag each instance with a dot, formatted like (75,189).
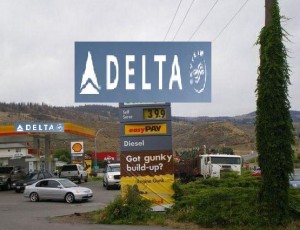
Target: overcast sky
(37,45)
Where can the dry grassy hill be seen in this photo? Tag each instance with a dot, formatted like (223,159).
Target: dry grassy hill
(213,135)
(186,134)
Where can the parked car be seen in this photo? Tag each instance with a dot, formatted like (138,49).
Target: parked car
(73,172)
(57,189)
(111,175)
(295,181)
(10,174)
(31,178)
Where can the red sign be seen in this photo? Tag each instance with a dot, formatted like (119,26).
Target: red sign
(106,156)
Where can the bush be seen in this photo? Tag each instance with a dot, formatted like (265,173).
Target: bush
(219,206)
(230,201)
(131,209)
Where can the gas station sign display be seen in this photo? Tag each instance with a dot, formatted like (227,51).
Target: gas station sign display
(146,151)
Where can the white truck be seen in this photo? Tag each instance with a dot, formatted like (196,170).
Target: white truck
(212,165)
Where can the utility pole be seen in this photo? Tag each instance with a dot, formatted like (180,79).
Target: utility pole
(268,11)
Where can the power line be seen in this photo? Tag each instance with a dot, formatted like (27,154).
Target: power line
(183,19)
(203,20)
(173,20)
(231,20)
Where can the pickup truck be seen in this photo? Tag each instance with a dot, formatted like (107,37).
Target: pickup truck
(10,174)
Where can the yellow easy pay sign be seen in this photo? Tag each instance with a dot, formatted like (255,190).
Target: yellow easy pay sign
(145,129)
(76,147)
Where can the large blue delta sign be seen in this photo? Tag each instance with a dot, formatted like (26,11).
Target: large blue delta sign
(142,71)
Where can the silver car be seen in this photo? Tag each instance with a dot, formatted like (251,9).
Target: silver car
(57,189)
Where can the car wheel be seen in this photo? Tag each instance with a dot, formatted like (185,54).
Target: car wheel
(86,179)
(17,190)
(80,179)
(107,187)
(69,198)
(34,197)
(103,182)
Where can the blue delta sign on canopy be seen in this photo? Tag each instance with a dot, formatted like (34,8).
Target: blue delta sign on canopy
(142,72)
(39,127)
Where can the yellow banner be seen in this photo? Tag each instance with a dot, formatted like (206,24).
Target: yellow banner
(145,129)
(157,189)
(88,166)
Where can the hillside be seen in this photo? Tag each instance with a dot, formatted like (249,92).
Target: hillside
(236,132)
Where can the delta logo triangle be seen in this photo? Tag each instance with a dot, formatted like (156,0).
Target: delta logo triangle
(89,82)
(20,129)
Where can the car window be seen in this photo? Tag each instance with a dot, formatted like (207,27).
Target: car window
(53,184)
(81,168)
(68,183)
(38,184)
(69,168)
(43,183)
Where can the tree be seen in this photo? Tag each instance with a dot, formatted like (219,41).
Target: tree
(63,155)
(274,129)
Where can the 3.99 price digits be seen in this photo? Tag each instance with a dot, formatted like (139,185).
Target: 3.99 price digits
(156,113)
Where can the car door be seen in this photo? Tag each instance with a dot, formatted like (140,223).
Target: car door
(55,190)
(42,188)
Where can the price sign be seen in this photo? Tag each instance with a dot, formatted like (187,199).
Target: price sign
(154,113)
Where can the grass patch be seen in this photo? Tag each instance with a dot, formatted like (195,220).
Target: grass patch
(95,178)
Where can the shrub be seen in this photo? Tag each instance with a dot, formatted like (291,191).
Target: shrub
(230,201)
(219,207)
(131,209)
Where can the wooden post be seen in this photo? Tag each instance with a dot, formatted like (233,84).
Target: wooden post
(268,11)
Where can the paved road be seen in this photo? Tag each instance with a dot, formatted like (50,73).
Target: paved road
(18,212)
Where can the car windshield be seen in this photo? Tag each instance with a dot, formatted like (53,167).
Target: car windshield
(32,175)
(114,168)
(225,160)
(68,183)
